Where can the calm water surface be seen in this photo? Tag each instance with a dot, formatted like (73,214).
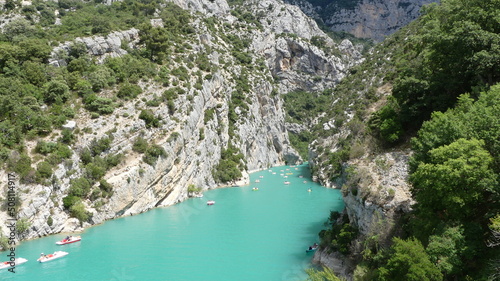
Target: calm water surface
(247,235)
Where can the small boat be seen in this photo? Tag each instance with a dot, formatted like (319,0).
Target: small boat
(49,257)
(286,182)
(69,240)
(309,190)
(255,188)
(210,202)
(312,248)
(257,180)
(16,262)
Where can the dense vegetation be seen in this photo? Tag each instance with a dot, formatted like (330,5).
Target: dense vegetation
(453,50)
(444,69)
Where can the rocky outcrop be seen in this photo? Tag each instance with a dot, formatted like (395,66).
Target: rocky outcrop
(378,192)
(376,196)
(99,47)
(373,19)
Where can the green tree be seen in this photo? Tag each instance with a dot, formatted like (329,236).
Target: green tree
(156,41)
(408,261)
(455,182)
(457,179)
(447,249)
(453,50)
(55,91)
(22,226)
(18,28)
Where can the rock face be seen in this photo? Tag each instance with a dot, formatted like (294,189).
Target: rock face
(99,47)
(373,19)
(203,123)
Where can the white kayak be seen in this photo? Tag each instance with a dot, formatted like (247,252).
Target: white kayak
(49,257)
(17,262)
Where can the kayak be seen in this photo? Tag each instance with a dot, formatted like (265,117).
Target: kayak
(17,262)
(69,240)
(312,249)
(49,257)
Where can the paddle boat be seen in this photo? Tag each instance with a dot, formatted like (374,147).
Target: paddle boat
(17,262)
(312,248)
(49,257)
(69,240)
(210,202)
(255,188)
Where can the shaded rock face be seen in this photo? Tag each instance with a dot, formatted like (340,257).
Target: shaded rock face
(371,19)
(193,143)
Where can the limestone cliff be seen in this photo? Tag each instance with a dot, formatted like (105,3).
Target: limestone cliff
(371,19)
(283,59)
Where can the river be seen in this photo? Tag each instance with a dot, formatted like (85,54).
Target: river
(258,235)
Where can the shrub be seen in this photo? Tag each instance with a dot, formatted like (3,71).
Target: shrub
(99,104)
(193,188)
(105,186)
(78,211)
(152,154)
(45,148)
(69,201)
(95,171)
(80,187)
(140,145)
(22,225)
(99,146)
(44,170)
(129,91)
(149,118)
(55,91)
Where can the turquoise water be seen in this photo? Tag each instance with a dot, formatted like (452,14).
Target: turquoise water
(247,235)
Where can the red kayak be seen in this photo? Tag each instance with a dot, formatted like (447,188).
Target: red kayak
(69,240)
